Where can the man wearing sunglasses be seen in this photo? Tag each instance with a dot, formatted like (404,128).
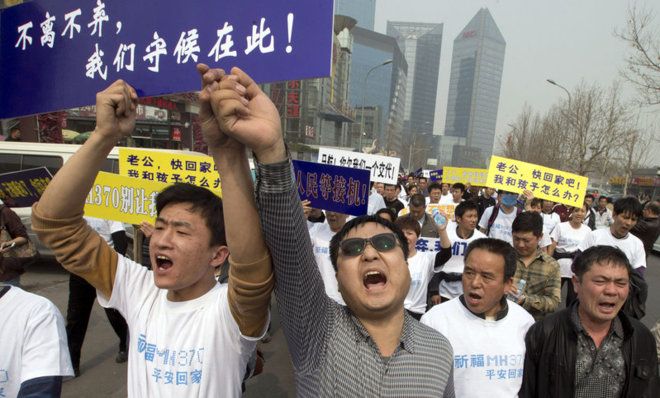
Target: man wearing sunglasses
(369,348)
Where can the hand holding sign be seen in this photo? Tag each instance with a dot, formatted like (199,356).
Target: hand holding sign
(245,113)
(115,111)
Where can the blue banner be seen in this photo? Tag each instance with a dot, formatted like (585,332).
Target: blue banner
(335,188)
(58,54)
(23,188)
(435,175)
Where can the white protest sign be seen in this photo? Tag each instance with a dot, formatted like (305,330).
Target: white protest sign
(383,168)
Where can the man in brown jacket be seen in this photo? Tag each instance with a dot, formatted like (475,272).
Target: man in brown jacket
(190,336)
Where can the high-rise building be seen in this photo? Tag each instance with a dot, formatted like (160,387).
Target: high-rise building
(474,93)
(316,112)
(364,11)
(385,89)
(421,44)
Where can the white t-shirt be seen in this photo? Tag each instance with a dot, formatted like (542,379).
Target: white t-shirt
(376,202)
(32,340)
(568,239)
(320,234)
(444,199)
(604,220)
(501,228)
(550,221)
(631,245)
(105,228)
(421,270)
(457,261)
(178,349)
(488,354)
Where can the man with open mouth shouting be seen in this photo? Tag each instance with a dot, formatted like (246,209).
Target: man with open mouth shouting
(486,331)
(189,335)
(369,348)
(592,348)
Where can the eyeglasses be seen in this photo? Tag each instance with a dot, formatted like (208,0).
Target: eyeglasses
(355,246)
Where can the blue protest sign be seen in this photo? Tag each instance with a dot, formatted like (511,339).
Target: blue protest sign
(59,54)
(23,188)
(340,189)
(435,175)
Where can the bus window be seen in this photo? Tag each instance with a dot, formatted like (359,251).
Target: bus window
(110,166)
(52,163)
(9,163)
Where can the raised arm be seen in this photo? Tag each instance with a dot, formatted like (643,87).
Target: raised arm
(250,273)
(57,217)
(254,121)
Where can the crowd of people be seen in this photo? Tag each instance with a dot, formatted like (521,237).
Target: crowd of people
(364,310)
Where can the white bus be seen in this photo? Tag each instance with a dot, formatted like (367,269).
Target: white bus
(17,156)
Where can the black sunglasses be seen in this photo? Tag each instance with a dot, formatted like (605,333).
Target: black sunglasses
(355,246)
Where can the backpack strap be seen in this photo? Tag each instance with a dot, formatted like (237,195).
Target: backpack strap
(493,216)
(4,290)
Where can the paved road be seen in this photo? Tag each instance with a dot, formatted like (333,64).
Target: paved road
(102,377)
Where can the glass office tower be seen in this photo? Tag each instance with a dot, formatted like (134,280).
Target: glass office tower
(474,92)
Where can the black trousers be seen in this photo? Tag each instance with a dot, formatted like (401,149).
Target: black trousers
(79,308)
(570,292)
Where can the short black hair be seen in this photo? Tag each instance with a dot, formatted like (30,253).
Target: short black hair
(408,223)
(354,223)
(201,201)
(602,255)
(528,221)
(15,128)
(589,196)
(422,178)
(464,206)
(417,200)
(388,211)
(434,185)
(499,247)
(653,206)
(459,185)
(389,185)
(536,202)
(602,197)
(629,205)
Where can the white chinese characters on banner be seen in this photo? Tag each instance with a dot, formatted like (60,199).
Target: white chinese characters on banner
(383,168)
(186,49)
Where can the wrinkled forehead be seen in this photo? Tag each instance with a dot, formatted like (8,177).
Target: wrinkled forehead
(608,269)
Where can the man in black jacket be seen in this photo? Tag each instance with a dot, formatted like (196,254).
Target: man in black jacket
(647,228)
(591,348)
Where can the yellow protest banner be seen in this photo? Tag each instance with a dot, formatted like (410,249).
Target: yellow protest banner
(125,199)
(476,177)
(544,182)
(447,208)
(168,167)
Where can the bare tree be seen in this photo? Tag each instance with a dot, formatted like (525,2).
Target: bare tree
(579,135)
(632,154)
(643,64)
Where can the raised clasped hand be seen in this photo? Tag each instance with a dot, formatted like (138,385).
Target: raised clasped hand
(241,111)
(116,111)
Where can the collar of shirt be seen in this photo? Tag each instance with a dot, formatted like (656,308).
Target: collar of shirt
(500,314)
(459,235)
(407,339)
(540,255)
(616,327)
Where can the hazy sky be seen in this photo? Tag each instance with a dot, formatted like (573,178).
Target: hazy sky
(564,40)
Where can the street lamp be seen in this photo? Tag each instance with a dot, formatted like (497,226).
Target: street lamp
(364,97)
(554,83)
